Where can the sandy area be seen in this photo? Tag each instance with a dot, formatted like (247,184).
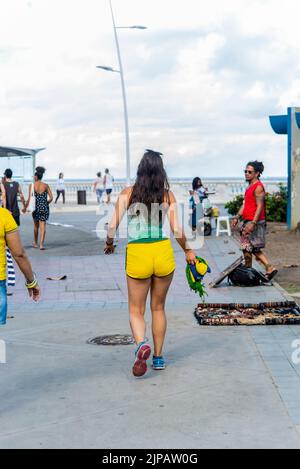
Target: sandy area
(283,249)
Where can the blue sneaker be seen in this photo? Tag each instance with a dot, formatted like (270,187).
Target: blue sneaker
(158,363)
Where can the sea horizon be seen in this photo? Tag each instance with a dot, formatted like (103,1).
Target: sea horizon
(174,179)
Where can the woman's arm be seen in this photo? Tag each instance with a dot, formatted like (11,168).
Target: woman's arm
(50,194)
(120,209)
(29,196)
(177,230)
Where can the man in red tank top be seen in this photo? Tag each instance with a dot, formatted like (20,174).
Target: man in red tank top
(252,216)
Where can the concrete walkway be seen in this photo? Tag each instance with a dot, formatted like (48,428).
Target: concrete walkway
(223,387)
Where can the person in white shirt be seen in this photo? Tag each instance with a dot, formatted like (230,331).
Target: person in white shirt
(60,188)
(98,187)
(108,184)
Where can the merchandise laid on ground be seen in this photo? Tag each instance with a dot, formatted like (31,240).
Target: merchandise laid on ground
(262,314)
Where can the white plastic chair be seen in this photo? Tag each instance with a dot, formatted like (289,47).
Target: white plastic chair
(223,221)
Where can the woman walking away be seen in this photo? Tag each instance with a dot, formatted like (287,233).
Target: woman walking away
(43,197)
(60,188)
(98,187)
(108,184)
(150,262)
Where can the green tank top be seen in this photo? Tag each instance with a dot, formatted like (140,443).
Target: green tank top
(142,231)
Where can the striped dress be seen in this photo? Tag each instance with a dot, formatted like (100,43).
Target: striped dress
(11,276)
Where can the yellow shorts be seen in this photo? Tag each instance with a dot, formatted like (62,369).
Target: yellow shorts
(146,259)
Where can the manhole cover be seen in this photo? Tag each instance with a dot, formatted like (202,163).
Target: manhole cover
(116,339)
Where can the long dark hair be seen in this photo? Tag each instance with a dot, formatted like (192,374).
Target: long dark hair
(152,183)
(258,167)
(39,172)
(195,183)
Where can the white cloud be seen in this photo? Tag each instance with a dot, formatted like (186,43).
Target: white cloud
(201,82)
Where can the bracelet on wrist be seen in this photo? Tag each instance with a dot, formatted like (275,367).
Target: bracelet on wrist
(32,284)
(109,244)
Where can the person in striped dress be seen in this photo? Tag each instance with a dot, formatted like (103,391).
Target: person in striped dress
(11,274)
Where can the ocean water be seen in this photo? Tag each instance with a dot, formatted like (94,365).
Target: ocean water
(175,179)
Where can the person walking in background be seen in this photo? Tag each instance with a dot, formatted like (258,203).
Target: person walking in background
(150,262)
(60,188)
(43,197)
(108,184)
(198,194)
(251,219)
(98,187)
(199,189)
(11,191)
(9,237)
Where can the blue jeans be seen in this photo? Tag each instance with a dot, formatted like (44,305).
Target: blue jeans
(99,193)
(3,302)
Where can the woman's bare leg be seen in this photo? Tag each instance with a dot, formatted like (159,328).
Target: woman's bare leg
(43,233)
(137,296)
(159,290)
(35,233)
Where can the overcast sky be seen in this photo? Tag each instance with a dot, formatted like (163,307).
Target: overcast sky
(201,82)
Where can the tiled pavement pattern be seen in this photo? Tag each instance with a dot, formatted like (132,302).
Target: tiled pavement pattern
(101,279)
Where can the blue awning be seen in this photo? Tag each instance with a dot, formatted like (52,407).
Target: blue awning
(279,124)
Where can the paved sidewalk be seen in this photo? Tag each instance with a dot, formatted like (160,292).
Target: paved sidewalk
(96,278)
(223,387)
(218,390)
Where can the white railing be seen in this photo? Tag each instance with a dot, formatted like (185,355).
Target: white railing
(224,189)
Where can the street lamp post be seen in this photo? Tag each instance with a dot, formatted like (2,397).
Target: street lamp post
(121,72)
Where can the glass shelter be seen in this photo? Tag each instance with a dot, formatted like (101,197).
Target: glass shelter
(22,161)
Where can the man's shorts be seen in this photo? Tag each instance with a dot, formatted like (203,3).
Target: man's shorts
(146,259)
(3,302)
(108,191)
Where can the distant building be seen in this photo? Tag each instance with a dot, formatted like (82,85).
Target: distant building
(22,161)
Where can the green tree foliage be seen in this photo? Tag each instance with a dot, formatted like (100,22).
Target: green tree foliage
(234,205)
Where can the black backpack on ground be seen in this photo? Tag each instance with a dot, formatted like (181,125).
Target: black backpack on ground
(244,276)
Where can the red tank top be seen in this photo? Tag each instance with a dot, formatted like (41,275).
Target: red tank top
(250,203)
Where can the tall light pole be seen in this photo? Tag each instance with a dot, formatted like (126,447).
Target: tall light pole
(121,72)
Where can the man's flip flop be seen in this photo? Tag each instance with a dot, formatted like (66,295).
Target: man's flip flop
(140,364)
(271,275)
